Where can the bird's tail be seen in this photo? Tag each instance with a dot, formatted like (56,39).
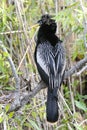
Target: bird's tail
(52,106)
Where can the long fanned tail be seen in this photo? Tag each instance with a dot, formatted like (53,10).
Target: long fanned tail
(52,106)
(56,73)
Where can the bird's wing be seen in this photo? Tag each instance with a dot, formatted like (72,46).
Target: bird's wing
(57,65)
(52,61)
(42,56)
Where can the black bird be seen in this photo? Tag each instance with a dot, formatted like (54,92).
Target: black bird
(50,61)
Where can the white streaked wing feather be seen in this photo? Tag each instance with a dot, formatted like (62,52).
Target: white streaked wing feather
(42,63)
(52,61)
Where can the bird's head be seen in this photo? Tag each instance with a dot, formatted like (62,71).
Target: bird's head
(46,19)
(49,21)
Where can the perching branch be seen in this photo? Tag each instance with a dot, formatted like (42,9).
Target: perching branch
(82,70)
(25,98)
(76,67)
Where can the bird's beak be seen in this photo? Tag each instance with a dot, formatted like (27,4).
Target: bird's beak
(39,22)
(35,25)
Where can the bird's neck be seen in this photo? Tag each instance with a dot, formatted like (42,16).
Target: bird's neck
(46,34)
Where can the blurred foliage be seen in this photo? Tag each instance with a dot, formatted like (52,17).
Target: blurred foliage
(4,69)
(71,19)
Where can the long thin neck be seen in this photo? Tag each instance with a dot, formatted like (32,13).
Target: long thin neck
(45,33)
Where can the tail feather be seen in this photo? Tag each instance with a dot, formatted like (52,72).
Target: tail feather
(52,107)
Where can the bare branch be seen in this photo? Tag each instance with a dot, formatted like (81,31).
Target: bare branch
(24,99)
(18,31)
(81,71)
(17,80)
(76,67)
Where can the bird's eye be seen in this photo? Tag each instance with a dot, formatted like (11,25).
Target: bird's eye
(44,18)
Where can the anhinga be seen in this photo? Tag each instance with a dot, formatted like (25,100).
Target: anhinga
(50,61)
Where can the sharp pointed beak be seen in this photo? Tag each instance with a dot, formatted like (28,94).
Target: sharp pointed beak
(40,22)
(35,25)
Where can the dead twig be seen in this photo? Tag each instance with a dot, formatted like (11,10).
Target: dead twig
(18,31)
(16,78)
(26,98)
(76,67)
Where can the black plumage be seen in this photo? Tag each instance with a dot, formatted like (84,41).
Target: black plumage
(50,61)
